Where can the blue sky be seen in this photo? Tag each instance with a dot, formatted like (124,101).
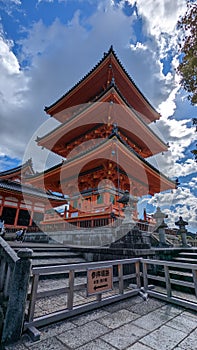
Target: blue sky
(46,46)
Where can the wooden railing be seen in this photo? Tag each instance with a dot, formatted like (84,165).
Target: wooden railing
(129,277)
(152,272)
(14,280)
(124,272)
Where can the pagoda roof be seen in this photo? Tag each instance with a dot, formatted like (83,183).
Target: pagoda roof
(107,71)
(132,163)
(130,123)
(18,171)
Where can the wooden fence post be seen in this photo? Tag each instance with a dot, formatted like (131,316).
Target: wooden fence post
(18,289)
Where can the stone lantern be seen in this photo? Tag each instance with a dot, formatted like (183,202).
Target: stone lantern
(182,230)
(162,236)
(159,217)
(161,226)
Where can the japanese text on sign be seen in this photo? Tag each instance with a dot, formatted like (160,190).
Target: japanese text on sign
(99,280)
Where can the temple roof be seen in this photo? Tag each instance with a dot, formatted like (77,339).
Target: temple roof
(90,116)
(11,181)
(108,70)
(133,164)
(14,186)
(17,172)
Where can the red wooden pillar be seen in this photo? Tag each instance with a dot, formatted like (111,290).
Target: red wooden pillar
(31,215)
(2,205)
(17,213)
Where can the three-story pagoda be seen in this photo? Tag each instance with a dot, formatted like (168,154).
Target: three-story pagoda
(104,139)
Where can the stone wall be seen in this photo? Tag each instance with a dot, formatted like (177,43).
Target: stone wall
(86,237)
(92,237)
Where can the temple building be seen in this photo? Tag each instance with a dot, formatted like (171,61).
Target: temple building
(104,139)
(22,205)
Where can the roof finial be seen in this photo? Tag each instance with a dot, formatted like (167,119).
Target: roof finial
(114,131)
(112,81)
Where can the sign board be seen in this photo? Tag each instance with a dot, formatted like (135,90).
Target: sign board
(99,280)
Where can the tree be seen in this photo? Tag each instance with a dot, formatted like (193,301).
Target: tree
(188,65)
(188,47)
(194,151)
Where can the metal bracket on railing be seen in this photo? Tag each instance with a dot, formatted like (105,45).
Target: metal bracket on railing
(143,293)
(33,333)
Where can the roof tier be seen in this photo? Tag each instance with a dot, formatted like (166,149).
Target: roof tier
(95,120)
(113,149)
(108,71)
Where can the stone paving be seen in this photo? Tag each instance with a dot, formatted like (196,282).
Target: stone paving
(132,324)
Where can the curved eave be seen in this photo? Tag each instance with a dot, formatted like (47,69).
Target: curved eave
(17,171)
(134,165)
(10,187)
(90,116)
(89,87)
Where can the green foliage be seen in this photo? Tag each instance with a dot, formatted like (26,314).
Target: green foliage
(188,46)
(194,151)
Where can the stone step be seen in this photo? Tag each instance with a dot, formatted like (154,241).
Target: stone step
(58,282)
(192,255)
(179,282)
(37,246)
(181,275)
(185,260)
(54,254)
(188,296)
(178,274)
(57,261)
(49,254)
(42,249)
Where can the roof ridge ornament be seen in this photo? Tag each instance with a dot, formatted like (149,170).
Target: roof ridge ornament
(113,82)
(114,131)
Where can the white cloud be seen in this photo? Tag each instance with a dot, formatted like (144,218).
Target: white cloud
(193,182)
(180,202)
(168,106)
(7,2)
(161,17)
(53,55)
(179,134)
(146,70)
(9,6)
(8,59)
(39,1)
(167,165)
(59,55)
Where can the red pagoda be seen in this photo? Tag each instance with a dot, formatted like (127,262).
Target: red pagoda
(104,139)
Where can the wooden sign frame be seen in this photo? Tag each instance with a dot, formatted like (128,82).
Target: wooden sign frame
(99,280)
